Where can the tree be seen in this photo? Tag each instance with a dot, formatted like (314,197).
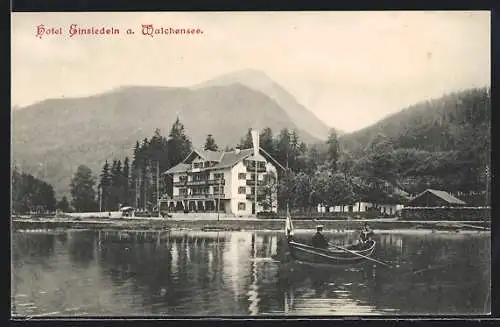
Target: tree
(105,186)
(116,198)
(63,204)
(126,182)
(179,144)
(266,141)
(302,191)
(286,189)
(30,193)
(269,191)
(210,143)
(178,147)
(333,150)
(82,190)
(333,189)
(246,142)
(345,164)
(134,172)
(283,147)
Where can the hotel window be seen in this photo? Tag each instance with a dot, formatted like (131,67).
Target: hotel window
(242,190)
(242,176)
(218,190)
(241,206)
(218,175)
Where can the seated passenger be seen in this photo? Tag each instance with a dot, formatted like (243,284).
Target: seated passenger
(318,240)
(366,234)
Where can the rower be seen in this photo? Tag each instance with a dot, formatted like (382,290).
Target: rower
(318,240)
(366,234)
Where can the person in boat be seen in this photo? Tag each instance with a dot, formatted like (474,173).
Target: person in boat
(318,240)
(366,234)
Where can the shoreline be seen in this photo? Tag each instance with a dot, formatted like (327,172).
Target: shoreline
(247,224)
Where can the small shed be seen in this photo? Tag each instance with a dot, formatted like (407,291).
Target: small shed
(435,198)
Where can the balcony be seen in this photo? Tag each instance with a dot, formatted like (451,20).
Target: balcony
(216,181)
(251,182)
(200,182)
(260,169)
(260,197)
(198,197)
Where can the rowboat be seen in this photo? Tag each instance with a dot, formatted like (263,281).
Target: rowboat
(334,255)
(355,253)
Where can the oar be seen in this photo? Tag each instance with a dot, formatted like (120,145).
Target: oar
(318,253)
(360,255)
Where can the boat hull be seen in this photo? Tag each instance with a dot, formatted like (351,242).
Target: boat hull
(305,253)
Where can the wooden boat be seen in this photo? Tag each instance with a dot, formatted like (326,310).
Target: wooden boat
(335,255)
(306,253)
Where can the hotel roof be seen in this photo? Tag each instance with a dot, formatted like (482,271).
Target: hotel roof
(224,159)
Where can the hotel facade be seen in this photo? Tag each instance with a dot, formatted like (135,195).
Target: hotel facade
(225,182)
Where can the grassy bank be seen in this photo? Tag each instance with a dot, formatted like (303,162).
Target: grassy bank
(237,224)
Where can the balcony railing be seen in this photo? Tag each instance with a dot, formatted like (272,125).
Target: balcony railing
(251,168)
(198,197)
(251,182)
(200,182)
(260,197)
(216,181)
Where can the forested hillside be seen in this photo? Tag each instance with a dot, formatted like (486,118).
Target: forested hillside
(443,143)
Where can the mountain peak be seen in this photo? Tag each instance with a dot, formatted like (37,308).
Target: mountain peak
(247,73)
(249,77)
(261,82)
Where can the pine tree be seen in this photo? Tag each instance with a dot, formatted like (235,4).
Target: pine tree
(116,189)
(333,150)
(266,141)
(246,142)
(105,186)
(179,144)
(125,182)
(283,147)
(134,190)
(210,143)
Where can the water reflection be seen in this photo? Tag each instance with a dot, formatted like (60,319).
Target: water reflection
(81,248)
(234,273)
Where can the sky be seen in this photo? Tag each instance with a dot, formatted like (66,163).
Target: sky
(349,68)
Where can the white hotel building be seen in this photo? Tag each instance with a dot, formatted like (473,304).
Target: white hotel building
(209,180)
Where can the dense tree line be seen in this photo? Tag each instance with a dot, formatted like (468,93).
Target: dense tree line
(31,194)
(135,183)
(443,143)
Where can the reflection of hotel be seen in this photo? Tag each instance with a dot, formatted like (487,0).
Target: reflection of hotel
(236,256)
(207,180)
(247,265)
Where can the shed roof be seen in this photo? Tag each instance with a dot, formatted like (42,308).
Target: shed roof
(441,194)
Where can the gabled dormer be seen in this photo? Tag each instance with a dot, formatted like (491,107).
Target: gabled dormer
(200,159)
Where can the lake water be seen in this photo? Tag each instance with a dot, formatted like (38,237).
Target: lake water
(178,273)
